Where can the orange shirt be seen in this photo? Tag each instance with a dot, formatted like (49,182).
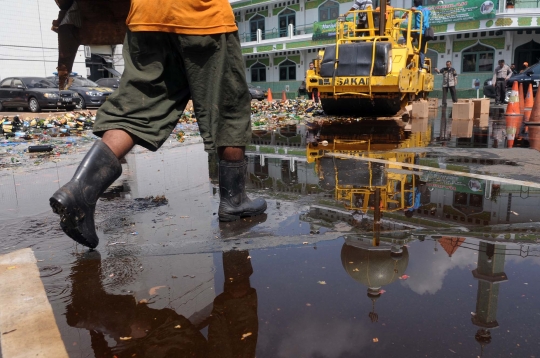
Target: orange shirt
(190,17)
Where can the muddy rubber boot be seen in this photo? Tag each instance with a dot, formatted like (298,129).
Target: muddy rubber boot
(234,203)
(75,202)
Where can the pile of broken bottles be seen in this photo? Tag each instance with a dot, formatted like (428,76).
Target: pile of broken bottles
(58,125)
(278,113)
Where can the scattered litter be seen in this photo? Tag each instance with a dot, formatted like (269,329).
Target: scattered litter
(375,340)
(382,291)
(321,282)
(154,290)
(8,332)
(513,212)
(249,257)
(190,276)
(356,270)
(116,243)
(178,326)
(111,275)
(404,277)
(173,276)
(245,335)
(305,243)
(125,338)
(12,267)
(143,301)
(135,233)
(451,350)
(308,304)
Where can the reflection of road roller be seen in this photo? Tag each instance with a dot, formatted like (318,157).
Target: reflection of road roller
(373,71)
(363,184)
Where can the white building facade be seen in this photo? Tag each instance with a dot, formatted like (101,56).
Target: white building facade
(279,37)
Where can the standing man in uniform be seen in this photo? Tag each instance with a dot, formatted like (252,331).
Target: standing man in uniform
(362,17)
(501,74)
(173,52)
(449,82)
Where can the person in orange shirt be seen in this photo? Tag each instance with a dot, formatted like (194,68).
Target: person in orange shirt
(172,52)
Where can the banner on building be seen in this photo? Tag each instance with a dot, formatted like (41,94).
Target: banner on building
(454,183)
(325,30)
(455,11)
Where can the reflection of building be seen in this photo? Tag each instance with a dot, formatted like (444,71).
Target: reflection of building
(489,273)
(374,267)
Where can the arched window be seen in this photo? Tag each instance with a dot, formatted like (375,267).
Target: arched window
(528,52)
(287,71)
(478,58)
(286,18)
(256,23)
(258,72)
(329,11)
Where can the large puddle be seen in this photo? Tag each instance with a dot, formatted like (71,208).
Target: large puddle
(407,241)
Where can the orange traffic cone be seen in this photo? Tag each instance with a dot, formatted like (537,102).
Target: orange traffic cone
(521,99)
(534,131)
(529,102)
(269,97)
(283,96)
(512,116)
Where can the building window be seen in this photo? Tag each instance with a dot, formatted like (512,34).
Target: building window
(286,18)
(256,23)
(329,11)
(287,71)
(258,72)
(478,58)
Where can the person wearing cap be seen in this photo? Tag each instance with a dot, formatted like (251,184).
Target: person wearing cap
(525,66)
(501,74)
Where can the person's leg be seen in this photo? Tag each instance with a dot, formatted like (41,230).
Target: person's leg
(453,93)
(499,92)
(222,104)
(152,95)
(444,93)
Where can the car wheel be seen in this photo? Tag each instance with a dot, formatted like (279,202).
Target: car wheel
(82,103)
(34,106)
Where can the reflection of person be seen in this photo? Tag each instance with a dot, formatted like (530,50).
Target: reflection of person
(524,67)
(449,82)
(234,325)
(184,50)
(420,22)
(501,74)
(359,5)
(156,333)
(153,333)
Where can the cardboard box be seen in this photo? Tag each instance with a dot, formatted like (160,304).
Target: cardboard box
(462,128)
(420,109)
(463,110)
(482,120)
(433,102)
(419,125)
(464,100)
(481,106)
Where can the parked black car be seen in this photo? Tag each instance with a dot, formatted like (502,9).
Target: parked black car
(256,93)
(35,93)
(109,82)
(91,94)
(531,75)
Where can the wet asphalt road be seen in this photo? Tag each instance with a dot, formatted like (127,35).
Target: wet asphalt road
(458,279)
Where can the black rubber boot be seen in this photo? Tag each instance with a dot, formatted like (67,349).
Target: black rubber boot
(75,202)
(234,203)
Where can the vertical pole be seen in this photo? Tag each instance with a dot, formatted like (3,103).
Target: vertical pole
(382,17)
(377,217)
